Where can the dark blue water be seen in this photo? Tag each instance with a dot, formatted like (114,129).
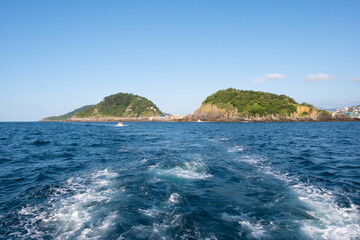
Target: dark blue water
(180,181)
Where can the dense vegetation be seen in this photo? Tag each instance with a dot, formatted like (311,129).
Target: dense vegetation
(252,102)
(68,115)
(122,105)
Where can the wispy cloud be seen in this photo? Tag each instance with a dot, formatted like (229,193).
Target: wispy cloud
(319,77)
(357,79)
(269,76)
(275,76)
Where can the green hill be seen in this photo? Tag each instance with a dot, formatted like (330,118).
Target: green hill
(240,105)
(122,105)
(252,102)
(67,115)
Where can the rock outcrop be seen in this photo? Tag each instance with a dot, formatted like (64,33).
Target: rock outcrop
(211,113)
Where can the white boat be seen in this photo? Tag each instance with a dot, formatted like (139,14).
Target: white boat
(199,120)
(120,124)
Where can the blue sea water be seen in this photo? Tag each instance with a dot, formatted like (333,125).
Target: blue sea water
(180,180)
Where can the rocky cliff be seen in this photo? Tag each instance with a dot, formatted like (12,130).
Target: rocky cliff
(212,113)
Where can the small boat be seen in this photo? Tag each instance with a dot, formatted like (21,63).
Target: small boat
(199,120)
(120,124)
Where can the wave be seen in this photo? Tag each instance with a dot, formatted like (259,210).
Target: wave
(249,228)
(165,220)
(189,170)
(76,210)
(174,198)
(237,148)
(332,214)
(330,219)
(222,139)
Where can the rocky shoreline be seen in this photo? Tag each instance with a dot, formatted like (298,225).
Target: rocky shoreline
(216,118)
(210,113)
(175,118)
(268,119)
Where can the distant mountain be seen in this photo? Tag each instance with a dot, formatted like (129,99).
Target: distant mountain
(67,115)
(240,105)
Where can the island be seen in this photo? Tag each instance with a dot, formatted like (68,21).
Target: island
(116,107)
(232,105)
(229,105)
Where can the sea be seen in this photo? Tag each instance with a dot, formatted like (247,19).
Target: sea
(161,180)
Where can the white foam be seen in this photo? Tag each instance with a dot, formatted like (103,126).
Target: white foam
(153,212)
(154,166)
(144,160)
(174,198)
(330,221)
(223,139)
(108,221)
(256,230)
(185,173)
(162,219)
(230,218)
(237,148)
(218,139)
(73,208)
(104,173)
(251,160)
(190,170)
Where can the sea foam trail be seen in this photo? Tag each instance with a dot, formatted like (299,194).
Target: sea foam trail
(162,218)
(250,228)
(330,220)
(75,211)
(188,170)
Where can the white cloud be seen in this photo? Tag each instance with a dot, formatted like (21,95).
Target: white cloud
(357,79)
(275,76)
(319,77)
(268,76)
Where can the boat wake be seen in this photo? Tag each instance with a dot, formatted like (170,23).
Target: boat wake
(188,170)
(331,215)
(77,210)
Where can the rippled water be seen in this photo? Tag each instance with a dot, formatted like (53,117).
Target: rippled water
(180,181)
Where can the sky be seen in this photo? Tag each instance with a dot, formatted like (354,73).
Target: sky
(56,56)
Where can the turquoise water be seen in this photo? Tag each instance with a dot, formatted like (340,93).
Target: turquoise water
(180,180)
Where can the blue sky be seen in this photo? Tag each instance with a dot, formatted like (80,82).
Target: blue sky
(56,56)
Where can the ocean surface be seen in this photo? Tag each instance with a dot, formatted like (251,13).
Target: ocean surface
(180,180)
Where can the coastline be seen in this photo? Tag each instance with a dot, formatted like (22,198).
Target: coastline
(190,118)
